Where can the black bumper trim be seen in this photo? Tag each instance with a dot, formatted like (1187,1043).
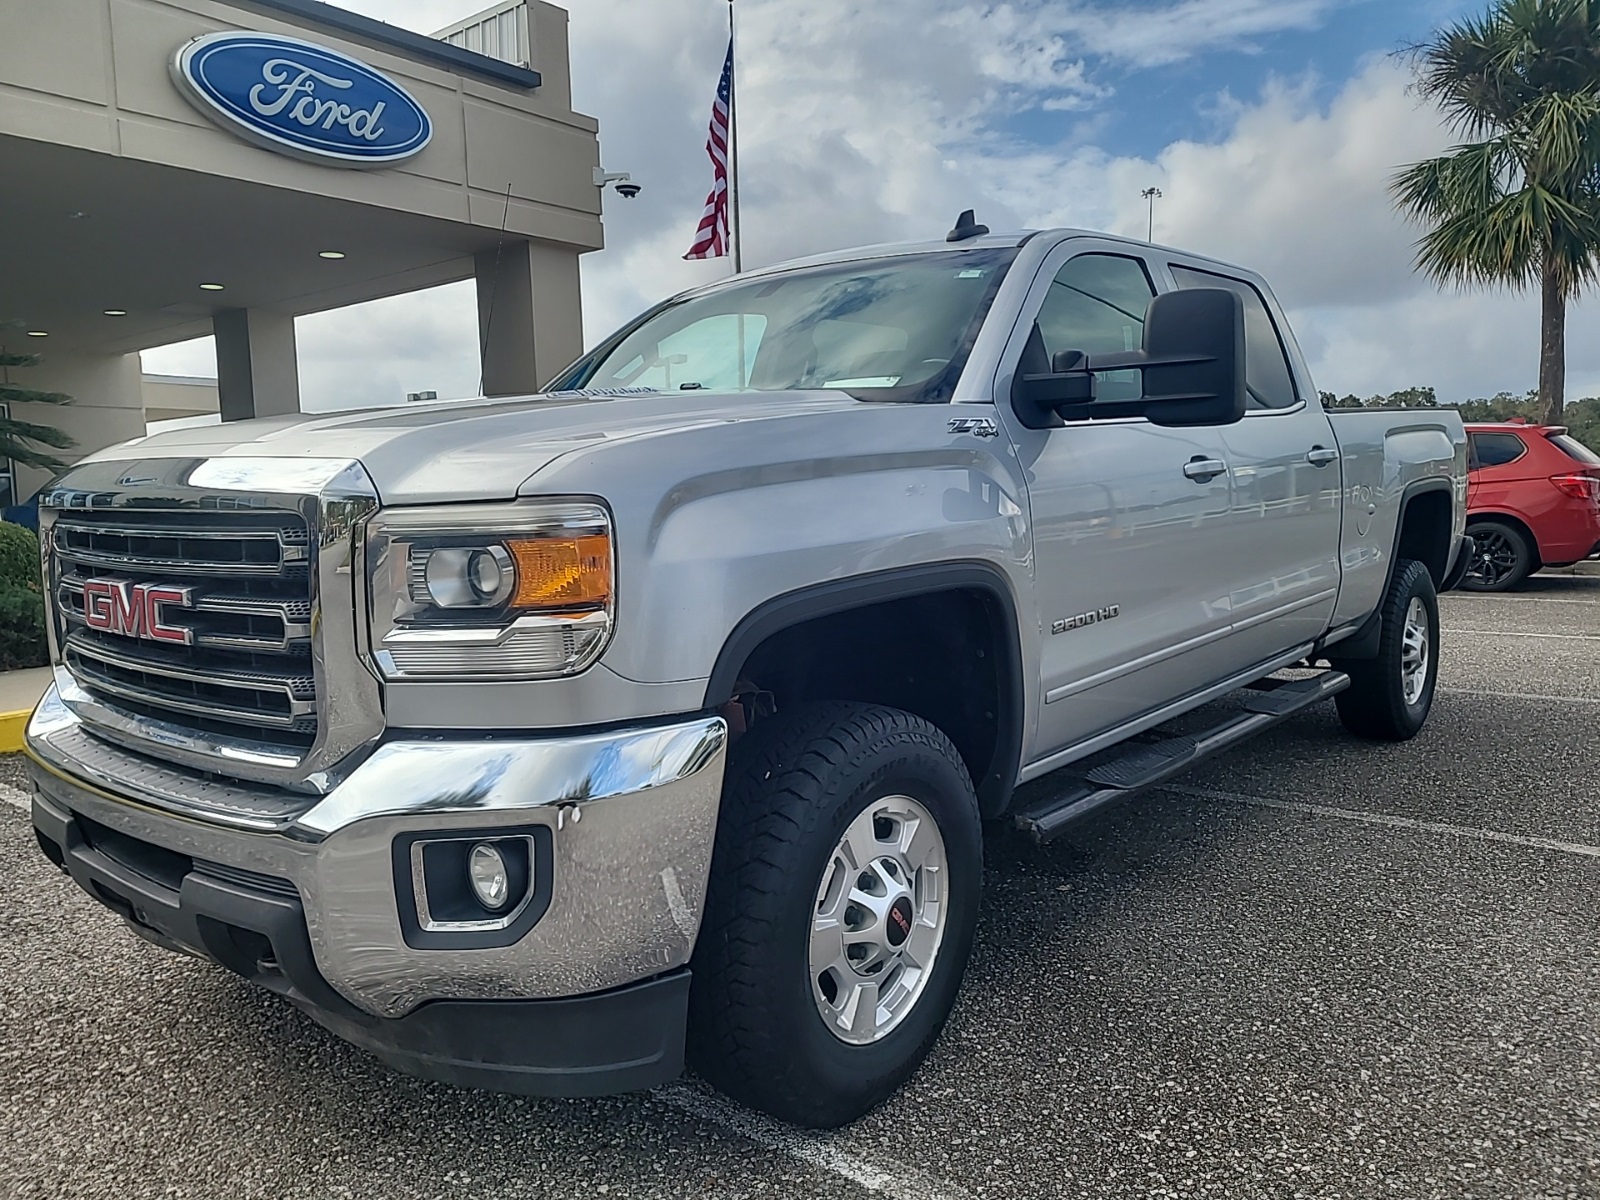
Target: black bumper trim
(592,1045)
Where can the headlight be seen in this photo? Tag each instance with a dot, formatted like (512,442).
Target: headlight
(490,591)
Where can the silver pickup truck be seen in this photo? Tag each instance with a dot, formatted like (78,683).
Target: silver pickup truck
(538,744)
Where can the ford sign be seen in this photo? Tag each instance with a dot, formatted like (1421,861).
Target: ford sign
(303,100)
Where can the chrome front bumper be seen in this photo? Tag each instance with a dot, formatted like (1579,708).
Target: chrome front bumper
(631,814)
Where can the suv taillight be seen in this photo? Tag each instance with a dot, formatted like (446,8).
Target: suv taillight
(1579,487)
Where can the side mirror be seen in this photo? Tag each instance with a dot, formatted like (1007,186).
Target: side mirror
(1192,365)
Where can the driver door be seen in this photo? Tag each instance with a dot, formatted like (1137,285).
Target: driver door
(1130,520)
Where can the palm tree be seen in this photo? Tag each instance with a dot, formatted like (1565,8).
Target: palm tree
(1519,201)
(20,440)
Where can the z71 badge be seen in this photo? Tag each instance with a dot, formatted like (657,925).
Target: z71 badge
(980,426)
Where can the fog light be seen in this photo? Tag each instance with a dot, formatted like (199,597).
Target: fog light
(491,882)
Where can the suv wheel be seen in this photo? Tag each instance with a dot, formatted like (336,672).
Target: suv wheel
(840,912)
(1501,557)
(1389,696)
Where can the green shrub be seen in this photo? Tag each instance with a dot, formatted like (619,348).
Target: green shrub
(22,636)
(19,557)
(22,630)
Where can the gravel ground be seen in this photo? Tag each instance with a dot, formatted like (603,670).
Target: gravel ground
(1312,969)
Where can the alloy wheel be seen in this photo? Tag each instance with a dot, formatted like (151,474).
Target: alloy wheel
(1414,651)
(1494,557)
(879,919)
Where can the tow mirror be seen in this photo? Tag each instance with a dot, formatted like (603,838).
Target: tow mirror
(1192,366)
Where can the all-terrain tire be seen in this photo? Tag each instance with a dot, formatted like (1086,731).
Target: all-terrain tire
(1389,696)
(795,784)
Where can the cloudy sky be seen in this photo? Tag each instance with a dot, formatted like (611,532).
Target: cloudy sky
(1270,126)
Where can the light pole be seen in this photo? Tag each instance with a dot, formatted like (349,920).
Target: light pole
(1152,195)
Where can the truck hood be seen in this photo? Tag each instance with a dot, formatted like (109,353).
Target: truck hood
(471,450)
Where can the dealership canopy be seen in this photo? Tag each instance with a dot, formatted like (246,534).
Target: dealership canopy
(176,168)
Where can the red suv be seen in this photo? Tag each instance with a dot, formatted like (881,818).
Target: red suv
(1533,500)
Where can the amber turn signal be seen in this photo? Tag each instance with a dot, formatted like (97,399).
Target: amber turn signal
(562,572)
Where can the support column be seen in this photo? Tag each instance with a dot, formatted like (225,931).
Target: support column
(258,374)
(107,406)
(530,323)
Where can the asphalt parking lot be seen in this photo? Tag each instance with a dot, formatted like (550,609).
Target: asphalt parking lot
(1315,969)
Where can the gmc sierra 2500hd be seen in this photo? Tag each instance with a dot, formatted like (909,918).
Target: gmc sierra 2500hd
(532,744)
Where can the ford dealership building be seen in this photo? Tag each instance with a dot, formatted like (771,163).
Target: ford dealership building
(176,168)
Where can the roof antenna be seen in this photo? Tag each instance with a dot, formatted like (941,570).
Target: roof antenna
(966,227)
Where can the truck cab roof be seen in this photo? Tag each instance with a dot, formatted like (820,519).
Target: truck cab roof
(1008,239)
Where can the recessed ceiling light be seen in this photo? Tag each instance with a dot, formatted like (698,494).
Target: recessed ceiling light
(116,312)
(37,333)
(210,287)
(330,254)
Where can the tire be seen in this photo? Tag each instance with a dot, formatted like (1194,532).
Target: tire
(797,783)
(1387,700)
(1501,557)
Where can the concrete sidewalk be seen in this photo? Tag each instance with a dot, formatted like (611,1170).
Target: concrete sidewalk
(19,692)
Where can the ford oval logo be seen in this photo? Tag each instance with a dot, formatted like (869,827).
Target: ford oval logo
(300,99)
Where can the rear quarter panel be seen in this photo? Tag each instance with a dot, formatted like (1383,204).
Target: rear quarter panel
(1387,456)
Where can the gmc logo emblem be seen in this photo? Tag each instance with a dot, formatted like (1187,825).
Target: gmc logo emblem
(135,609)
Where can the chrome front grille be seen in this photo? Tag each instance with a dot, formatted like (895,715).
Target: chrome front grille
(245,545)
(204,612)
(247,669)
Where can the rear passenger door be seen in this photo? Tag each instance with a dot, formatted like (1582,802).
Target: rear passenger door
(1493,461)
(1282,551)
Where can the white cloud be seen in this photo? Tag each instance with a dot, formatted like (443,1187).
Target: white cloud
(878,122)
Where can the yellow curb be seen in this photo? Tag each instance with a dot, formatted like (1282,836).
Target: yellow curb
(11,726)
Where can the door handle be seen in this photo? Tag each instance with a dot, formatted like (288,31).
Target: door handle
(1321,456)
(1201,469)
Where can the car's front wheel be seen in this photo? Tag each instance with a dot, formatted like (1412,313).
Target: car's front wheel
(840,913)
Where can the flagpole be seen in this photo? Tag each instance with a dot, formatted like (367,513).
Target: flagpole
(733,152)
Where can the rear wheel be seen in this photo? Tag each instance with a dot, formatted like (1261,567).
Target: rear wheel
(840,913)
(1389,696)
(1501,557)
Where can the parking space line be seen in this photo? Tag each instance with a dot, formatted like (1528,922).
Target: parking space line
(823,1151)
(1531,600)
(1541,696)
(1574,637)
(1393,822)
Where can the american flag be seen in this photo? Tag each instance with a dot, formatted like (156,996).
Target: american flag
(711,238)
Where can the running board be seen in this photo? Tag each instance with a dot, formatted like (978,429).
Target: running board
(1141,766)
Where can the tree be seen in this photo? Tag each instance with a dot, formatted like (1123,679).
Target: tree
(1518,203)
(16,435)
(1411,397)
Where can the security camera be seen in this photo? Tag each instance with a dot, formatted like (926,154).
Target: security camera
(626,187)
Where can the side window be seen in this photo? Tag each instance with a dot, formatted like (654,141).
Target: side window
(1096,304)
(1266,366)
(1496,449)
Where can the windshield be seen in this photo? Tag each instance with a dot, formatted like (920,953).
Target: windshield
(896,329)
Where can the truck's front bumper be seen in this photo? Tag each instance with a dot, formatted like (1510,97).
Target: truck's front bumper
(320,906)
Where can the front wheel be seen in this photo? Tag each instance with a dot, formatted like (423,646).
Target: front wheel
(1389,696)
(840,912)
